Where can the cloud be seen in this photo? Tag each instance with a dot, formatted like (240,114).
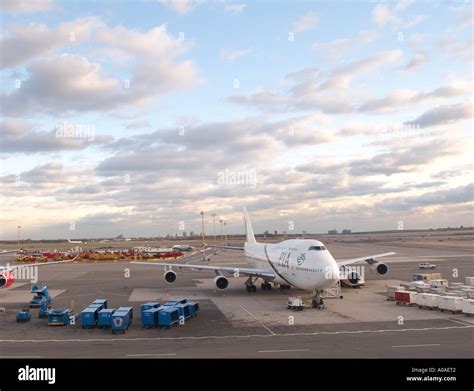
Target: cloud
(334,49)
(71,83)
(182,7)
(20,137)
(307,22)
(232,55)
(45,179)
(440,198)
(26,6)
(405,158)
(445,114)
(418,60)
(455,171)
(401,98)
(312,90)
(138,124)
(22,43)
(383,14)
(235,8)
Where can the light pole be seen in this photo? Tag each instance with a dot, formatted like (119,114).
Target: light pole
(215,237)
(202,227)
(222,235)
(18,239)
(225,232)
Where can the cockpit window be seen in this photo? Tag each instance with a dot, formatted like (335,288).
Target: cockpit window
(317,248)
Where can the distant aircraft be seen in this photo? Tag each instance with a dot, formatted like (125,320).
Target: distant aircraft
(302,263)
(74,241)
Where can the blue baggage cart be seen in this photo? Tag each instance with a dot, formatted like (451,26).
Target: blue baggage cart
(99,306)
(105,318)
(121,320)
(128,309)
(175,302)
(194,307)
(150,317)
(184,310)
(89,317)
(168,316)
(100,301)
(147,306)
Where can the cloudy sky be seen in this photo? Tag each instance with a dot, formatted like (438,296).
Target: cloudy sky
(132,116)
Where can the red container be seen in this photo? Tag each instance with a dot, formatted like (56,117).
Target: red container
(402,296)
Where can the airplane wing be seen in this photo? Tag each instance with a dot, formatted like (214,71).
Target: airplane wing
(8,251)
(9,268)
(231,248)
(369,259)
(267,274)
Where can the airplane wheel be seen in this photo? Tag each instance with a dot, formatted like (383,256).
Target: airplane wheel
(254,288)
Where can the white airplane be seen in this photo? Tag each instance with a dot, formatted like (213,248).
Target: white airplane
(7,273)
(302,263)
(74,241)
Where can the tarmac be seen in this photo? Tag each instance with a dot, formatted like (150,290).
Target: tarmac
(236,324)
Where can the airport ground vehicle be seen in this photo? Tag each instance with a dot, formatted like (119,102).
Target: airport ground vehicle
(23,316)
(426,265)
(295,303)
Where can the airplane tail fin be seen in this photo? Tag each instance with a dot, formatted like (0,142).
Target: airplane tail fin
(249,235)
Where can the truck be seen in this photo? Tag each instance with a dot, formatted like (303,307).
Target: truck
(23,316)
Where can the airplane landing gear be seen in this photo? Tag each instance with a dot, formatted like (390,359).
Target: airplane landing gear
(317,301)
(249,285)
(265,286)
(285,286)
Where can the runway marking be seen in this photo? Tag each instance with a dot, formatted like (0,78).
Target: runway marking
(21,356)
(260,323)
(416,346)
(317,333)
(283,351)
(459,321)
(151,354)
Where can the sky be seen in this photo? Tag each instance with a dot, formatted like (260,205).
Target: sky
(131,117)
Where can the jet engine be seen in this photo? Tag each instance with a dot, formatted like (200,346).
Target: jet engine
(170,276)
(378,267)
(221,282)
(6,279)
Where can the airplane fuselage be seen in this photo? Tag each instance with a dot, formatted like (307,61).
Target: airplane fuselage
(304,264)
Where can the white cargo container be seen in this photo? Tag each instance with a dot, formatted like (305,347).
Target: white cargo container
(391,291)
(428,300)
(470,281)
(450,303)
(468,307)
